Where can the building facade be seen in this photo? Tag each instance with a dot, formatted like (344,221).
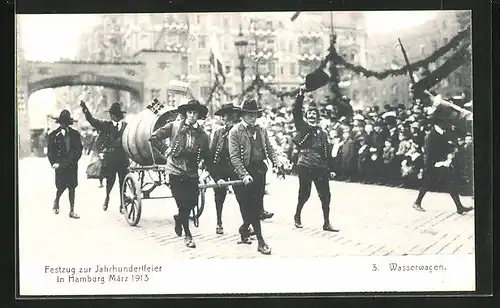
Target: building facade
(419,42)
(281,52)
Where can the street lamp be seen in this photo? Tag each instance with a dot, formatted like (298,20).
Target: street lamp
(241,48)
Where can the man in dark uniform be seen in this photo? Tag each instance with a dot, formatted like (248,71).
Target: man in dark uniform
(314,161)
(219,148)
(439,165)
(64,150)
(249,147)
(189,145)
(115,160)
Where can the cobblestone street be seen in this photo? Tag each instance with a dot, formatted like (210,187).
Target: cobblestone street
(373,220)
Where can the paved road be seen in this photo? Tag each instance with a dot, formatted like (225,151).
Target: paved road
(373,220)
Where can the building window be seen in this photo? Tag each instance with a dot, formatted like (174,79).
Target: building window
(155,93)
(198,19)
(434,45)
(270,42)
(292,69)
(205,92)
(225,22)
(202,41)
(269,24)
(184,65)
(395,89)
(272,68)
(204,68)
(445,25)
(282,70)
(228,69)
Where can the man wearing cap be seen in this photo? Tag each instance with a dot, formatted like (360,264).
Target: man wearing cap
(64,150)
(115,160)
(219,148)
(314,160)
(249,147)
(189,146)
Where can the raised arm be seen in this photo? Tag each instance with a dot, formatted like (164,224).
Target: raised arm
(298,117)
(96,123)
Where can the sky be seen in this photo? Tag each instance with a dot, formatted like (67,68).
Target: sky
(42,35)
(52,37)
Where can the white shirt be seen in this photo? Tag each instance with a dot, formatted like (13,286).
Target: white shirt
(118,124)
(245,124)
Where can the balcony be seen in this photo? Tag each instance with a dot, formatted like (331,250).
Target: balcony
(263,32)
(264,54)
(311,35)
(310,57)
(177,48)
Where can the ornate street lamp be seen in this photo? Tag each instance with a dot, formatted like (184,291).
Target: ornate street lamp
(241,48)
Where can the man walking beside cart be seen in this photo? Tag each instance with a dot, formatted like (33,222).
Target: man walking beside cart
(115,160)
(189,145)
(219,149)
(249,147)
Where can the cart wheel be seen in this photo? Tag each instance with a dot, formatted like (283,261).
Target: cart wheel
(198,209)
(131,199)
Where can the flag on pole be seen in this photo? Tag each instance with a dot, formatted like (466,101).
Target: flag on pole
(295,16)
(216,59)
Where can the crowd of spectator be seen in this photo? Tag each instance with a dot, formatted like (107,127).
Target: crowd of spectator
(383,146)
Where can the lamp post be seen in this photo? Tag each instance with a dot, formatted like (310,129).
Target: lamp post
(241,48)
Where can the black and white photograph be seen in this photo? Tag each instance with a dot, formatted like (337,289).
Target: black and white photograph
(245,152)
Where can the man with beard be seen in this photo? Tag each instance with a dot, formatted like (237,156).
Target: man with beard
(189,146)
(314,160)
(249,147)
(115,160)
(64,149)
(219,148)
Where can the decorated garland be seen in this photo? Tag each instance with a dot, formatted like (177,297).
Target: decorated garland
(336,59)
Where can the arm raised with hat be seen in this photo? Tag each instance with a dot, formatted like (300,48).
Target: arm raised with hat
(100,125)
(298,118)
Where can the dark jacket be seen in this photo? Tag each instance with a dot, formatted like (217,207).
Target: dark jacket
(67,158)
(219,149)
(110,140)
(176,162)
(240,147)
(306,132)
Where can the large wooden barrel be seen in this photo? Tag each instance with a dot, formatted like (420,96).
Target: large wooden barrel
(135,137)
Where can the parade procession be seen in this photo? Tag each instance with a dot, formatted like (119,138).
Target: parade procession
(204,166)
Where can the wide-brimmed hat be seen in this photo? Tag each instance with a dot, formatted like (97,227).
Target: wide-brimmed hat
(116,109)
(250,106)
(194,105)
(227,108)
(64,118)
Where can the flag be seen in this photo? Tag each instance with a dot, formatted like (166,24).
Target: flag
(295,16)
(216,59)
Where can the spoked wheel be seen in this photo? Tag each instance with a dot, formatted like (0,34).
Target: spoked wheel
(198,209)
(131,199)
